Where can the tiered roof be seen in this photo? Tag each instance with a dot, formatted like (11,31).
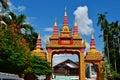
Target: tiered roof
(69,63)
(65,37)
(38,50)
(75,34)
(93,53)
(55,31)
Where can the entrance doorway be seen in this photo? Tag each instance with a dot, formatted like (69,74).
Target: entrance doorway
(57,58)
(65,66)
(91,71)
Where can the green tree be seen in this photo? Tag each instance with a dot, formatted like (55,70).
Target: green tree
(102,21)
(111,36)
(18,24)
(13,51)
(15,56)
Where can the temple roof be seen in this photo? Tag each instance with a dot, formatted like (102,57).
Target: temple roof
(66,38)
(65,23)
(40,53)
(76,37)
(68,63)
(55,31)
(76,34)
(54,37)
(93,53)
(38,50)
(65,46)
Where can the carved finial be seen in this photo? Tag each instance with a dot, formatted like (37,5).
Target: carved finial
(39,35)
(55,23)
(75,24)
(65,21)
(65,13)
(38,42)
(75,28)
(92,44)
(92,34)
(55,29)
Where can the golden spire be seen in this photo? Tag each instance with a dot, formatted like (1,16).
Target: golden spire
(65,22)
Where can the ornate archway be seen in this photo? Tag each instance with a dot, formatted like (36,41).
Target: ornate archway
(67,43)
(95,57)
(70,51)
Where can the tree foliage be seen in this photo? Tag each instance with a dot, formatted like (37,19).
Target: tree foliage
(19,25)
(15,42)
(111,37)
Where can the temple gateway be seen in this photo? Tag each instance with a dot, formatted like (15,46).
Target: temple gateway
(68,42)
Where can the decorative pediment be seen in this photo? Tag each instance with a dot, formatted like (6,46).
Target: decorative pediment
(93,55)
(39,53)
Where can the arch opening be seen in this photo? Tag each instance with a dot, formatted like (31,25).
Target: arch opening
(91,71)
(68,66)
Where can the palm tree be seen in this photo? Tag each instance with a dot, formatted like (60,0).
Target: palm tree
(18,24)
(116,33)
(105,28)
(111,36)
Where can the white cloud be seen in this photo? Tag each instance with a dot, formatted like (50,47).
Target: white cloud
(14,8)
(49,29)
(83,21)
(21,8)
(31,20)
(87,47)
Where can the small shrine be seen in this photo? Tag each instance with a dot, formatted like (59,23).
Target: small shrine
(94,57)
(38,49)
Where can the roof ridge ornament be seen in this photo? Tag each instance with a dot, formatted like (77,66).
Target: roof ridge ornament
(55,29)
(55,23)
(75,28)
(65,12)
(38,42)
(92,43)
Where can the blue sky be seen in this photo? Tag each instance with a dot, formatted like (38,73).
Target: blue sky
(42,13)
